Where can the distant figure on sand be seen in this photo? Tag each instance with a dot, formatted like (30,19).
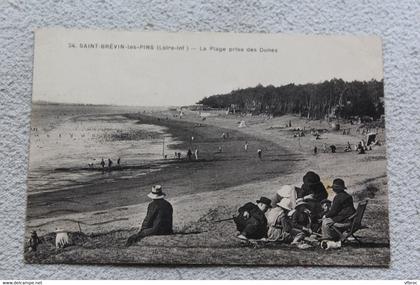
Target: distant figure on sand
(158,220)
(348,147)
(333,148)
(196,154)
(109,163)
(179,155)
(246,146)
(103,163)
(118,161)
(189,154)
(315,150)
(259,152)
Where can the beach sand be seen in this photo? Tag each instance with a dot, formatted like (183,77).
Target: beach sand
(213,188)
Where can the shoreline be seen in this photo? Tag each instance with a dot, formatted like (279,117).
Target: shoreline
(198,174)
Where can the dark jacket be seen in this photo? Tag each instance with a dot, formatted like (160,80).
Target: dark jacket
(342,207)
(318,190)
(158,220)
(255,226)
(301,219)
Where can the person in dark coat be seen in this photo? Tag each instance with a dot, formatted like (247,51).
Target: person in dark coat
(158,220)
(313,192)
(313,186)
(251,221)
(301,221)
(342,208)
(189,154)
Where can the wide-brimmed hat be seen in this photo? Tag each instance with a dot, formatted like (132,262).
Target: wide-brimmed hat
(156,193)
(285,203)
(311,178)
(285,191)
(265,201)
(338,185)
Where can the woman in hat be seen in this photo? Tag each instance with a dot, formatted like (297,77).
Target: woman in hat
(283,221)
(313,187)
(342,208)
(313,192)
(274,216)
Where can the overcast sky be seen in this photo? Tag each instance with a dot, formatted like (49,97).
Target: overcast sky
(161,78)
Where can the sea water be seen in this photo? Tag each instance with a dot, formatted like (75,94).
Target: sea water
(68,143)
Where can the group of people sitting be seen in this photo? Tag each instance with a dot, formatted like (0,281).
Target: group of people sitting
(294,214)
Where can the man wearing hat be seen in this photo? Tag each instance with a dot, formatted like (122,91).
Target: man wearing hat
(251,221)
(158,220)
(342,208)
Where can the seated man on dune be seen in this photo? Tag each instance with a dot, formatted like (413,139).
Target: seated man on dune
(341,209)
(158,220)
(251,221)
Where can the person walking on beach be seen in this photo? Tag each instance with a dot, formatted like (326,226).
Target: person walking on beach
(159,217)
(103,163)
(246,146)
(109,163)
(196,154)
(189,154)
(259,152)
(118,161)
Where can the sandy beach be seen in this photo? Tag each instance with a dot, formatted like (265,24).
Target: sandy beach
(211,188)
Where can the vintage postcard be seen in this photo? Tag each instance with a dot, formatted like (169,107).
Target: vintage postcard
(207,149)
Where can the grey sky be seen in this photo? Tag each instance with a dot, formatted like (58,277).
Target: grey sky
(153,78)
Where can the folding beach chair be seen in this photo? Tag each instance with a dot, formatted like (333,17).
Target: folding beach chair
(348,229)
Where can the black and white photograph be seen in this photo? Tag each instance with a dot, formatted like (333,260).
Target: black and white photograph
(204,148)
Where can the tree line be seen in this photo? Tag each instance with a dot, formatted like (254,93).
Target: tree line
(330,98)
